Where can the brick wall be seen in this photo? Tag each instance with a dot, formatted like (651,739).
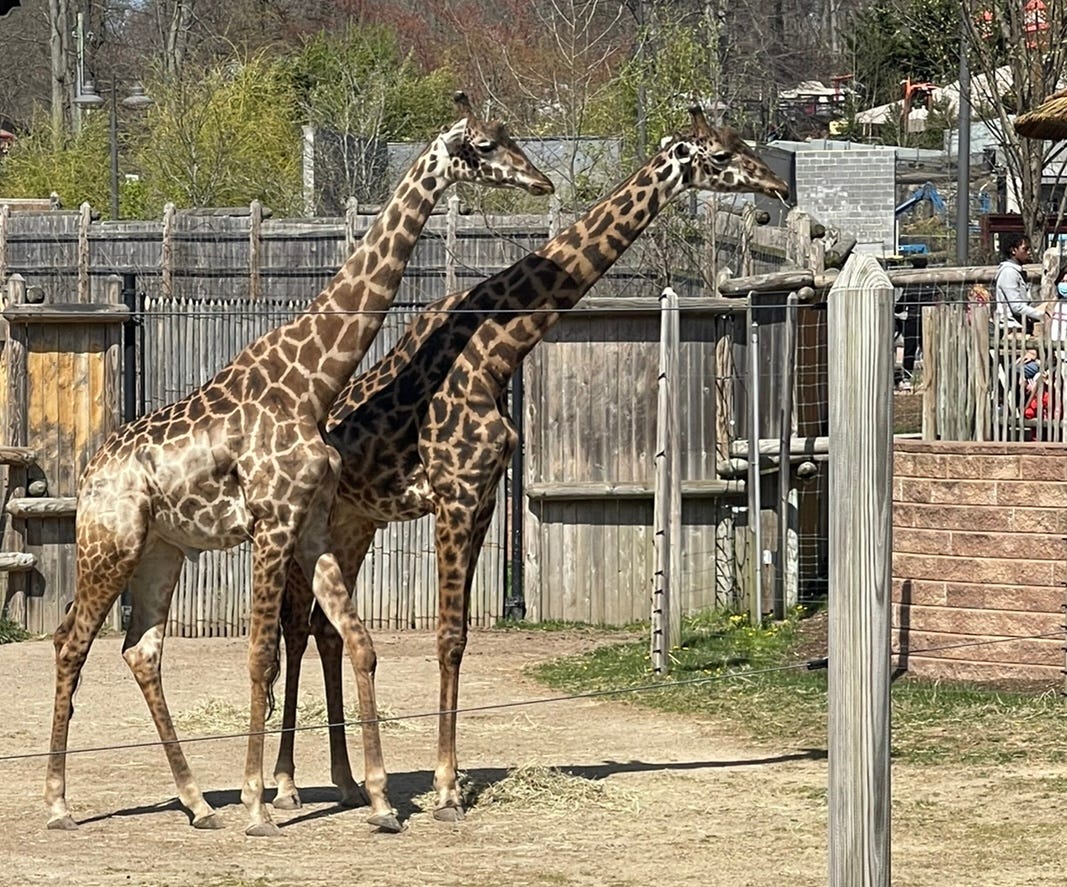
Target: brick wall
(854,190)
(980,554)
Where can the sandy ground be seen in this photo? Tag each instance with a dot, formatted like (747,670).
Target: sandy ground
(676,800)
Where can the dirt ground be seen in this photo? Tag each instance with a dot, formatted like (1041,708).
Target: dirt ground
(672,800)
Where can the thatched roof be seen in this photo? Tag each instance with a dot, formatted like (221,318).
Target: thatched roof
(1047,121)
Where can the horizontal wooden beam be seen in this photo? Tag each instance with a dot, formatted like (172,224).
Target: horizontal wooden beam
(64,312)
(738,467)
(58,506)
(798,446)
(574,490)
(16,561)
(17,456)
(644,305)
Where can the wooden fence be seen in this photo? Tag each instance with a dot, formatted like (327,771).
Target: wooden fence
(202,285)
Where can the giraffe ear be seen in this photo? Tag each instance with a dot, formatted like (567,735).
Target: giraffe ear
(454,135)
(680,151)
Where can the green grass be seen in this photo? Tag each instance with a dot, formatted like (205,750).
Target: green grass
(550,625)
(12,632)
(932,723)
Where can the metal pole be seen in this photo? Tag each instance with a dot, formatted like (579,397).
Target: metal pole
(114,152)
(754,504)
(785,474)
(963,156)
(515,603)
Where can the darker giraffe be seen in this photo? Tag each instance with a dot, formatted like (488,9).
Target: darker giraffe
(243,458)
(426,430)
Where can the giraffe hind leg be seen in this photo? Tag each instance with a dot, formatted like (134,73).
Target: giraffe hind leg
(152,586)
(99,583)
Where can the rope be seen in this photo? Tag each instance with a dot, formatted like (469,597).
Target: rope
(808,665)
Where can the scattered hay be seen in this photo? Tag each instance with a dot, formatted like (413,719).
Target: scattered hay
(219,716)
(545,790)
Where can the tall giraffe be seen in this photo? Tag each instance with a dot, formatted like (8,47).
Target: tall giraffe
(243,457)
(426,430)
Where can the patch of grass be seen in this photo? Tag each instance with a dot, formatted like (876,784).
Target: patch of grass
(550,625)
(932,722)
(11,632)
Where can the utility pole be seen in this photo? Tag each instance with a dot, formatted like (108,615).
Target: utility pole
(963,155)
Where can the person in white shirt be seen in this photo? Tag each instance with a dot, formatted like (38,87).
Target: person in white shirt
(1014,310)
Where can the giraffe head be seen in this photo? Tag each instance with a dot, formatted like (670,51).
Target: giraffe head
(482,151)
(717,159)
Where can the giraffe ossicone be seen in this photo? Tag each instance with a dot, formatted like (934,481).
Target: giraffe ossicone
(426,430)
(243,457)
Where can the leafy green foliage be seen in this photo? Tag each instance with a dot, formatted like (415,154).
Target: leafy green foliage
(222,137)
(76,167)
(361,82)
(12,632)
(682,68)
(756,678)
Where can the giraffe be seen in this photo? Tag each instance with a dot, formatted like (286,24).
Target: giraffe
(243,458)
(426,430)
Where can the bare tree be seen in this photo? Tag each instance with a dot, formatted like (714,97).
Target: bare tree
(1018,52)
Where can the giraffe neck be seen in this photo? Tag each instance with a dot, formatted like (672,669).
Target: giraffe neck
(556,276)
(344,318)
(587,249)
(488,330)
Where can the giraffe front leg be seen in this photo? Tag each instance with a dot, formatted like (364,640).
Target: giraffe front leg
(271,558)
(332,597)
(460,529)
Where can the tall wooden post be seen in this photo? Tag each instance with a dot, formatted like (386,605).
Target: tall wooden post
(667,502)
(860,342)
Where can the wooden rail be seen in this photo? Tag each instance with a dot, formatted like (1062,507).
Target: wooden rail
(17,456)
(563,491)
(45,506)
(16,561)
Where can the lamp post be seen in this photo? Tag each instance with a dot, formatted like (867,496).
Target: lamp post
(88,98)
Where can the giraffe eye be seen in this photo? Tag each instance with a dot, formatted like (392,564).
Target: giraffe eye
(485,145)
(721,158)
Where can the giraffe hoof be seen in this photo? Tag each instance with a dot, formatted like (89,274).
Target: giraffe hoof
(449,814)
(64,823)
(263,830)
(386,822)
(287,802)
(210,821)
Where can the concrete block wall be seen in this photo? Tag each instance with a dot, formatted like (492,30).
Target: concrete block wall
(980,554)
(853,190)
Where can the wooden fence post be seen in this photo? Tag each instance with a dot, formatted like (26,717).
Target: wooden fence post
(667,496)
(84,222)
(860,338)
(255,246)
(451,243)
(5,218)
(13,366)
(166,254)
(352,237)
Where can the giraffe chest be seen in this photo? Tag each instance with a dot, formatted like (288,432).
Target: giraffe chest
(387,485)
